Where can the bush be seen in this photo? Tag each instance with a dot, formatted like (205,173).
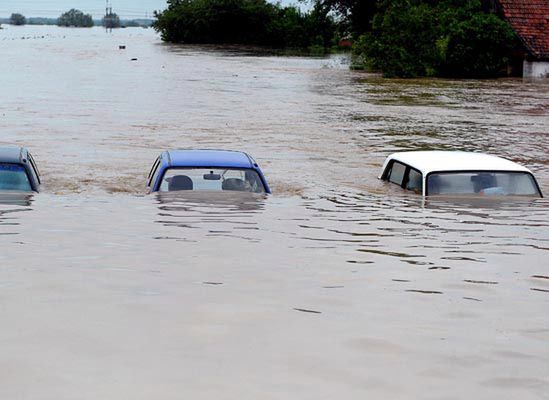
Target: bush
(243,22)
(75,18)
(17,19)
(478,47)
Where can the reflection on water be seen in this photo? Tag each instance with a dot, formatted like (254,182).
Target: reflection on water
(15,199)
(219,213)
(10,205)
(337,285)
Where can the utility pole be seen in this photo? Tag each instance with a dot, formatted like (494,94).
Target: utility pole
(109,19)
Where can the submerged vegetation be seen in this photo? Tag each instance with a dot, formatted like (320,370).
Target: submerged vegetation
(255,22)
(409,38)
(400,38)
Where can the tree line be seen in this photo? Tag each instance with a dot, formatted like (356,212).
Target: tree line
(255,22)
(78,19)
(400,38)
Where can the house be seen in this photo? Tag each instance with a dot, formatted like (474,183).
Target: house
(530,20)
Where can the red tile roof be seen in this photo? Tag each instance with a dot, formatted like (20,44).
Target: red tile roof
(530,20)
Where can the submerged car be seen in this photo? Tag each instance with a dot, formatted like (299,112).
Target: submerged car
(18,171)
(457,173)
(211,170)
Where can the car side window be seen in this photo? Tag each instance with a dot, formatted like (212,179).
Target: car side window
(153,171)
(414,181)
(396,174)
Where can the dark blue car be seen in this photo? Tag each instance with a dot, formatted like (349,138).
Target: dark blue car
(213,170)
(18,171)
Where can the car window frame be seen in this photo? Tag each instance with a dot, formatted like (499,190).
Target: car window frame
(210,167)
(34,168)
(406,178)
(153,171)
(462,171)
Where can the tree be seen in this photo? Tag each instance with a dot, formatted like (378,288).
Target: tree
(459,38)
(75,18)
(403,41)
(478,47)
(17,19)
(111,20)
(356,16)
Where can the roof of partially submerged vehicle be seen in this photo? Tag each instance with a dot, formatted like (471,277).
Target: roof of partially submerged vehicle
(12,154)
(208,158)
(438,161)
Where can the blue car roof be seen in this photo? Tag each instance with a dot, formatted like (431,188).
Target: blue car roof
(207,158)
(12,154)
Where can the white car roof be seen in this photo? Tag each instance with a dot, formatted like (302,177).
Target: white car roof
(431,161)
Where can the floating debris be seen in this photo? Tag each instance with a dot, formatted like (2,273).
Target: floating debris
(424,291)
(472,298)
(400,280)
(540,276)
(212,283)
(333,287)
(134,59)
(539,290)
(308,311)
(481,282)
(359,262)
(122,47)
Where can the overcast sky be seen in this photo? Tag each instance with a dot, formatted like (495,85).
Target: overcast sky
(53,8)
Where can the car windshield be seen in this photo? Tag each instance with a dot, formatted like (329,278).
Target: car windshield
(216,179)
(14,177)
(482,183)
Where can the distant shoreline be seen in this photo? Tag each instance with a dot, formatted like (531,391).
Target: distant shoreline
(137,22)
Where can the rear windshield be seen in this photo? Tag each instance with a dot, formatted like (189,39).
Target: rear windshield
(216,179)
(482,183)
(14,177)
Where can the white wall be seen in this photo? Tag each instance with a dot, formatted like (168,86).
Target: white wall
(536,69)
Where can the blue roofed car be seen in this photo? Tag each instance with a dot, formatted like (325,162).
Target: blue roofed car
(458,173)
(18,171)
(206,170)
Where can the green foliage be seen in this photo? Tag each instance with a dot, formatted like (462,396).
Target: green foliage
(244,22)
(412,38)
(403,39)
(17,19)
(75,18)
(478,47)
(355,16)
(111,20)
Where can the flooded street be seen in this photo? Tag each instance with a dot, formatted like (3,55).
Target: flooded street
(337,285)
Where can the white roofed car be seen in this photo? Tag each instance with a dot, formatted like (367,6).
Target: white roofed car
(458,173)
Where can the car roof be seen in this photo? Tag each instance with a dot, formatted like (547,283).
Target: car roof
(431,161)
(208,158)
(12,154)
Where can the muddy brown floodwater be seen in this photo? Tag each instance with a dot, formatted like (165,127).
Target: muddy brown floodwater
(336,286)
